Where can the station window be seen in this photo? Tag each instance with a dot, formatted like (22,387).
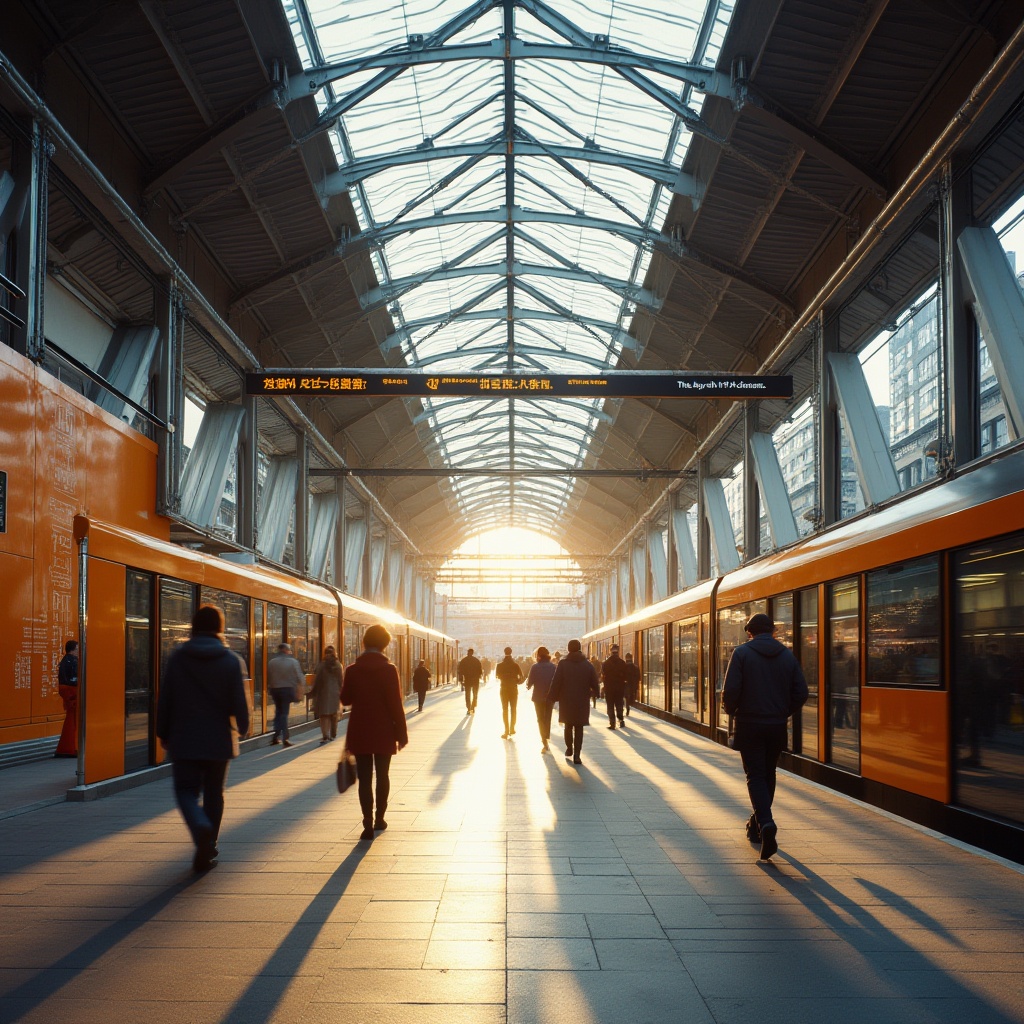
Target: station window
(903,616)
(236,618)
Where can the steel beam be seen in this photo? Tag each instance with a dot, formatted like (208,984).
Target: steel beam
(774,492)
(640,474)
(723,537)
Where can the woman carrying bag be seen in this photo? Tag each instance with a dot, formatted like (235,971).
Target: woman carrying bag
(376,727)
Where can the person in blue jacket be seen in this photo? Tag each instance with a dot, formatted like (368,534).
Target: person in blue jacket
(764,685)
(201,712)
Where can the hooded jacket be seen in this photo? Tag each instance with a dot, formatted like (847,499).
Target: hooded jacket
(202,709)
(764,682)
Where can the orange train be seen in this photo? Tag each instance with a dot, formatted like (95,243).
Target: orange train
(909,624)
(137,595)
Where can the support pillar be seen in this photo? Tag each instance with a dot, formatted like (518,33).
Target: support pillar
(247,474)
(751,503)
(170,399)
(828,454)
(338,559)
(300,550)
(961,350)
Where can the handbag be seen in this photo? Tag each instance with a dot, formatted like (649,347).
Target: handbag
(346,773)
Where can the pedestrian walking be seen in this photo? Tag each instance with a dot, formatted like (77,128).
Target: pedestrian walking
(613,675)
(326,695)
(469,672)
(764,686)
(421,682)
(632,682)
(376,728)
(510,675)
(539,680)
(573,685)
(201,713)
(285,681)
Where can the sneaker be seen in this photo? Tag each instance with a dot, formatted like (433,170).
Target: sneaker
(769,845)
(286,743)
(622,723)
(576,760)
(367,833)
(379,825)
(612,726)
(568,752)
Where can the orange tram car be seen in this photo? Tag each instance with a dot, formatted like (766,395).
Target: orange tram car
(137,596)
(909,624)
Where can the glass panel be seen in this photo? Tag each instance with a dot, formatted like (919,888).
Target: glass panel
(807,653)
(730,635)
(138,670)
(844,674)
(782,615)
(275,627)
(795,444)
(705,669)
(177,606)
(297,626)
(654,667)
(256,668)
(986,683)
(904,612)
(992,426)
(685,669)
(353,642)
(236,618)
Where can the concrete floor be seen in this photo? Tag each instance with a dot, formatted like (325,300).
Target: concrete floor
(510,887)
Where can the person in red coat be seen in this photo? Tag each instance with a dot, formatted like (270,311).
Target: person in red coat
(376,728)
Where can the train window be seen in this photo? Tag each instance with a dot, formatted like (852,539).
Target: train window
(730,635)
(903,616)
(275,627)
(987,682)
(806,738)
(138,670)
(353,647)
(177,605)
(782,615)
(844,674)
(685,668)
(654,667)
(236,618)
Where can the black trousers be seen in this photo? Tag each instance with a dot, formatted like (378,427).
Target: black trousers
(366,764)
(471,692)
(614,701)
(420,694)
(760,746)
(573,740)
(195,779)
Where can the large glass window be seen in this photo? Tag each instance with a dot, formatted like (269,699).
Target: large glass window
(685,668)
(654,667)
(987,682)
(904,612)
(730,635)
(806,742)
(177,606)
(782,616)
(256,668)
(844,674)
(236,618)
(138,670)
(353,642)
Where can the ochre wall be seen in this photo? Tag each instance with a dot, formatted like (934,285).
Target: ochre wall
(62,456)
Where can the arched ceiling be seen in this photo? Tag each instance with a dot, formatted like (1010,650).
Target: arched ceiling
(510,167)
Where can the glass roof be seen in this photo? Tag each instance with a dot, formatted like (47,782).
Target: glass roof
(511,163)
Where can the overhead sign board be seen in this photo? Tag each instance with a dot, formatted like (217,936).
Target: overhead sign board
(618,384)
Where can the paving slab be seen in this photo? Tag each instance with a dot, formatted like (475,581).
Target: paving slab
(510,887)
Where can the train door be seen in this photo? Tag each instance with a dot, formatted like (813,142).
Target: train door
(843,727)
(139,678)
